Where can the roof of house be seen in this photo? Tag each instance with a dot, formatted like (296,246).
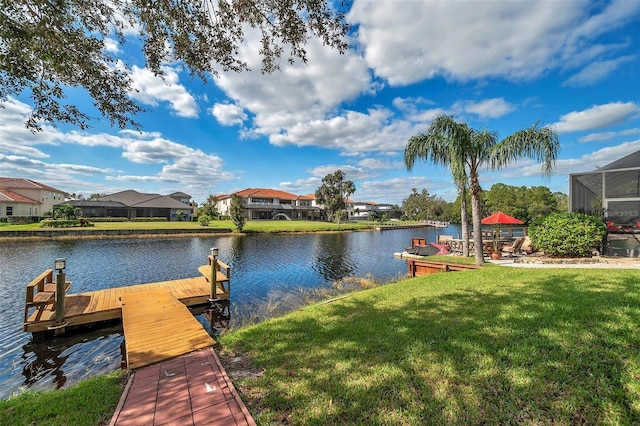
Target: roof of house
(20,183)
(180,195)
(261,193)
(131,198)
(7,196)
(628,162)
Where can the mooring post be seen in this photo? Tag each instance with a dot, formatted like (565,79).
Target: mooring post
(214,271)
(60,265)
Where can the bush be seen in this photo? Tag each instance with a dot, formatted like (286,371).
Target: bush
(109,219)
(64,223)
(149,219)
(204,220)
(567,234)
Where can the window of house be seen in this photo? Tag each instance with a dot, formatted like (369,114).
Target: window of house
(9,211)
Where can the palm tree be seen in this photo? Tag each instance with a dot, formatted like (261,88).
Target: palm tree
(464,150)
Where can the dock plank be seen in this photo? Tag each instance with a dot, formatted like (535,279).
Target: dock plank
(157,326)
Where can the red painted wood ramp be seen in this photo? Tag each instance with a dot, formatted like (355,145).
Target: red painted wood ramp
(192,389)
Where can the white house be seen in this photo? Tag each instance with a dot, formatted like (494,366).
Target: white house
(27,198)
(272,204)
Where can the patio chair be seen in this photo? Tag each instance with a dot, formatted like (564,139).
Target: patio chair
(527,247)
(514,248)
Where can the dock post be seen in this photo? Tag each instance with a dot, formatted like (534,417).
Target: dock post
(60,265)
(214,272)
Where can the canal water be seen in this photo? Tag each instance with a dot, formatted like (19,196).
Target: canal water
(271,275)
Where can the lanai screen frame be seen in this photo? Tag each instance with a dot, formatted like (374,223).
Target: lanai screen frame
(615,194)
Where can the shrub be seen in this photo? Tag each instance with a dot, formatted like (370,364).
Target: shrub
(567,234)
(204,220)
(65,223)
(109,219)
(149,219)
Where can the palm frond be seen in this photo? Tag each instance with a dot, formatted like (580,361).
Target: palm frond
(539,144)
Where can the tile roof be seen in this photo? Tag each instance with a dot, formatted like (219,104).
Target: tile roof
(20,183)
(267,193)
(7,196)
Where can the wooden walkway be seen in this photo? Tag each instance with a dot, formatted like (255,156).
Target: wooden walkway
(157,327)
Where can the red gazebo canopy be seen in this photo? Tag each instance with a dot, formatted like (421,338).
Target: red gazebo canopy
(500,218)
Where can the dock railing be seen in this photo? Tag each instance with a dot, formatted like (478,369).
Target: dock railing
(41,292)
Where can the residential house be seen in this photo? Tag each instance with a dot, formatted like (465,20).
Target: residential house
(132,204)
(363,210)
(272,204)
(26,198)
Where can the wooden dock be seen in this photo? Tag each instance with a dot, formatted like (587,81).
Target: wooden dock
(157,327)
(102,305)
(155,316)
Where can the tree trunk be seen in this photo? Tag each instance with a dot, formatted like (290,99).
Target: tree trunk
(476,209)
(464,221)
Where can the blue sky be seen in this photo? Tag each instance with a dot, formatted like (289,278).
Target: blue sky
(500,65)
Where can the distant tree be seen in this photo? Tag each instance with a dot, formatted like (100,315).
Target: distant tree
(209,207)
(65,211)
(237,210)
(525,203)
(562,201)
(52,47)
(422,206)
(334,193)
(96,195)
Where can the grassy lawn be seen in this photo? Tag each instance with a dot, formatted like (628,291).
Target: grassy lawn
(495,346)
(90,402)
(254,226)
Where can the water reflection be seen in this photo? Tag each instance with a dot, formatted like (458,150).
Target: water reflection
(214,317)
(333,257)
(56,362)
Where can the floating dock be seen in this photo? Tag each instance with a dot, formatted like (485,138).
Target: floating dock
(156,320)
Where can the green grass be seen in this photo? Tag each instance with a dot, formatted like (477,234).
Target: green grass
(90,402)
(495,346)
(254,226)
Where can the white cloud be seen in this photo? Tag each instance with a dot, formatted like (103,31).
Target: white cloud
(465,40)
(296,104)
(596,117)
(488,108)
(595,72)
(395,190)
(228,114)
(596,137)
(585,163)
(153,89)
(189,168)
(352,173)
(111,45)
(377,164)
